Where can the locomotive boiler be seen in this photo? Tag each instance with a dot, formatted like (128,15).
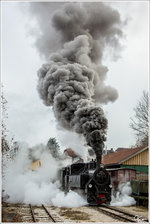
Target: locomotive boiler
(92,180)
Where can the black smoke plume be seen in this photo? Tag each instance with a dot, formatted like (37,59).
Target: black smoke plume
(72,81)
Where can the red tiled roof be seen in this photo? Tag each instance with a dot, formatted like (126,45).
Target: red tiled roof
(120,155)
(70,152)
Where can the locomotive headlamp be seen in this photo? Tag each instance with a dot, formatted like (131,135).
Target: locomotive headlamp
(90,185)
(110,185)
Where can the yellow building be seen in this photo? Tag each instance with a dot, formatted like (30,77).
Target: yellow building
(35,165)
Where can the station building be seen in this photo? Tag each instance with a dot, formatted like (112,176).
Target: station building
(133,158)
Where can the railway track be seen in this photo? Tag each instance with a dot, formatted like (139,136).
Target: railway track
(43,214)
(120,214)
(28,213)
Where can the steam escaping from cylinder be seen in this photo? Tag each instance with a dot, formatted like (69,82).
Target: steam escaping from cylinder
(122,196)
(72,81)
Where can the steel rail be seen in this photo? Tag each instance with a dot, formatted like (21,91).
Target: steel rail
(124,212)
(114,215)
(48,213)
(32,213)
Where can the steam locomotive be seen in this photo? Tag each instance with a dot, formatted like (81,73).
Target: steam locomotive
(92,180)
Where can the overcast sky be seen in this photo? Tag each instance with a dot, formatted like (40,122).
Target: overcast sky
(29,119)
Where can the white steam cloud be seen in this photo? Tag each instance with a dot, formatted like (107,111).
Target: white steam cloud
(123,197)
(41,186)
(76,142)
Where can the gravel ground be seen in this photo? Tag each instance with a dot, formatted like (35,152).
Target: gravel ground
(85,214)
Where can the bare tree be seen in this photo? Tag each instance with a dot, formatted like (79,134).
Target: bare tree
(4,142)
(8,144)
(139,123)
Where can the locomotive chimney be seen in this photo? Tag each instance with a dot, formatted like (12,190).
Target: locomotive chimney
(99,155)
(98,162)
